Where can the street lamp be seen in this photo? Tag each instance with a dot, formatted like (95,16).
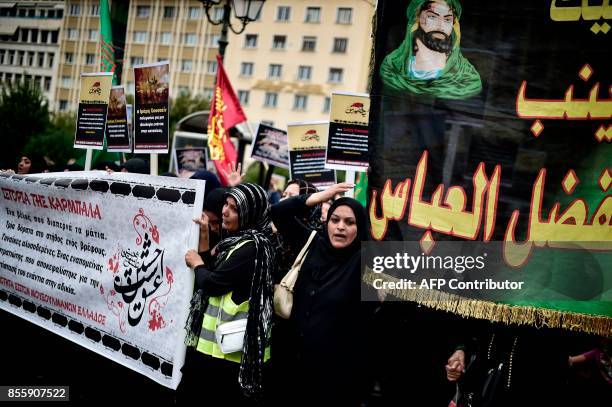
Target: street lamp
(244,10)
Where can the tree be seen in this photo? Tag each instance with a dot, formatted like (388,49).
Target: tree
(57,141)
(23,114)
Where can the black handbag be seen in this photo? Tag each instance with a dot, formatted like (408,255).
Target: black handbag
(482,384)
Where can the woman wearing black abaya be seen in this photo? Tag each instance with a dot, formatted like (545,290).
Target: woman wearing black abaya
(323,353)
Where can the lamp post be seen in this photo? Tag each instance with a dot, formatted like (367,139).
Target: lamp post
(244,10)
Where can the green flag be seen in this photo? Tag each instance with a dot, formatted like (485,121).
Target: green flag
(361,188)
(107,64)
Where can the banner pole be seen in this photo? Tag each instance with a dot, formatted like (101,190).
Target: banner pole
(88,156)
(153,164)
(350,177)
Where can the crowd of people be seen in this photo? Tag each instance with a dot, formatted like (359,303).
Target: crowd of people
(335,349)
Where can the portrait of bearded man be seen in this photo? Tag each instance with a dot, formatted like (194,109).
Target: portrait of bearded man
(429,60)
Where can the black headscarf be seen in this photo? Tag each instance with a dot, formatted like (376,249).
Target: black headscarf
(329,259)
(255,225)
(215,200)
(312,218)
(212,181)
(136,165)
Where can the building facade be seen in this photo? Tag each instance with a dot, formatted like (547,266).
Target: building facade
(157,30)
(30,42)
(285,65)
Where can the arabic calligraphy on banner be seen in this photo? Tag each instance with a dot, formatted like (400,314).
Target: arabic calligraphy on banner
(564,10)
(494,126)
(99,257)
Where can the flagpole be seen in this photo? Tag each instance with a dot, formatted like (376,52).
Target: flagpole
(350,177)
(88,156)
(154,164)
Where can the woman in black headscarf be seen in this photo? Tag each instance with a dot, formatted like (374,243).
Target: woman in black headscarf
(324,364)
(235,277)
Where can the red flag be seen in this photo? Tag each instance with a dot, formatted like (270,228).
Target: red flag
(225,113)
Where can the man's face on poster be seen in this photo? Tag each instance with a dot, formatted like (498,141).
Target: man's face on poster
(436,25)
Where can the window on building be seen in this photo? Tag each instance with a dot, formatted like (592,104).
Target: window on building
(344,16)
(193,13)
(140,37)
(213,40)
(300,102)
(90,59)
(326,104)
(93,35)
(309,44)
(75,9)
(211,67)
(246,69)
(31,55)
(50,59)
(63,105)
(47,84)
(22,12)
(217,13)
(243,96)
(34,36)
(340,45)
(41,59)
(136,61)
(68,57)
(304,72)
(54,36)
(165,38)
(24,34)
(32,13)
(313,15)
(250,41)
(143,11)
(94,10)
(270,99)
(71,34)
(2,55)
(283,13)
(44,36)
(275,71)
(20,58)
(186,65)
(191,39)
(66,82)
(168,12)
(59,13)
(335,75)
(279,42)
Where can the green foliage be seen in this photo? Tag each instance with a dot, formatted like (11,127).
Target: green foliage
(23,114)
(184,105)
(56,141)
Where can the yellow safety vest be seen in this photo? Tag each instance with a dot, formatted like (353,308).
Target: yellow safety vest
(207,343)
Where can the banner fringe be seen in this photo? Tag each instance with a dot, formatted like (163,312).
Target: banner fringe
(494,312)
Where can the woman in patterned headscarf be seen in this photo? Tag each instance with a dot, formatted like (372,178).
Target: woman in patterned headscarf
(236,272)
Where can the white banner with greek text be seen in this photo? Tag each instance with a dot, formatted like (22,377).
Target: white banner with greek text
(99,259)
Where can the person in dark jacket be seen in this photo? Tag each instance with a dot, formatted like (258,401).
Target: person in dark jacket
(235,276)
(322,361)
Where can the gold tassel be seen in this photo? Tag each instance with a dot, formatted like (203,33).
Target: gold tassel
(504,313)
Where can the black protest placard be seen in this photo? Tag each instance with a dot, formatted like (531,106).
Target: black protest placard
(117,131)
(270,146)
(93,106)
(307,141)
(151,108)
(347,144)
